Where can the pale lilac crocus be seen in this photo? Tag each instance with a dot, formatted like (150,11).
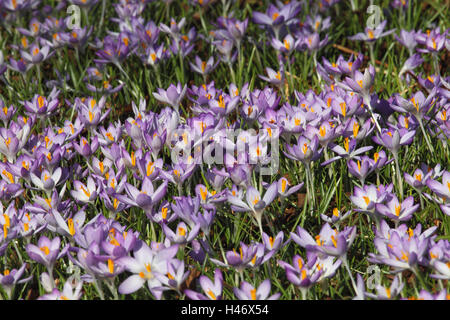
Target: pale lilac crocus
(249,292)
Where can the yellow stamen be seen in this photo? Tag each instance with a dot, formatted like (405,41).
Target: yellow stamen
(181,231)
(336,212)
(71,226)
(366,200)
(355,129)
(346,144)
(253,294)
(110,266)
(45,250)
(40,102)
(211,294)
(164,213)
(397,210)
(305,148)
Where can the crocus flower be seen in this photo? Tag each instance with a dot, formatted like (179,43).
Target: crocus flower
(274,77)
(36,54)
(402,248)
(47,252)
(433,41)
(336,216)
(442,190)
(85,193)
(176,275)
(407,39)
(361,168)
(47,181)
(70,291)
(10,278)
(328,242)
(411,63)
(145,263)
(284,189)
(393,139)
(254,203)
(173,95)
(203,67)
(249,292)
(372,35)
(306,150)
(182,236)
(397,211)
(249,256)
(213,290)
(300,274)
(273,244)
(389,293)
(425,295)
(144,198)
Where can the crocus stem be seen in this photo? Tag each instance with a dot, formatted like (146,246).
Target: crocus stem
(419,276)
(233,75)
(112,288)
(18,252)
(421,201)
(319,78)
(345,263)
(158,77)
(399,176)
(436,64)
(373,116)
(99,290)
(372,56)
(102,18)
(425,136)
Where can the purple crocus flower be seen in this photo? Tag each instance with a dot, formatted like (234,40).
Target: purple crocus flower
(402,248)
(413,62)
(274,77)
(144,198)
(397,211)
(182,236)
(328,242)
(250,256)
(361,168)
(336,216)
(254,203)
(203,67)
(173,95)
(176,275)
(442,190)
(47,252)
(249,292)
(389,293)
(284,189)
(300,274)
(71,291)
(213,290)
(372,35)
(433,41)
(306,150)
(407,39)
(419,179)
(393,139)
(36,54)
(10,278)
